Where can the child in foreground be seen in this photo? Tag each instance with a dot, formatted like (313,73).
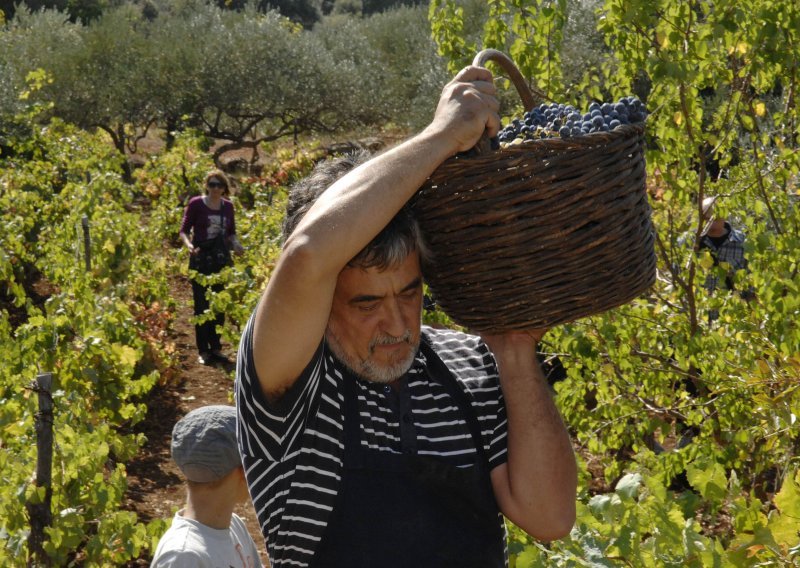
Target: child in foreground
(206,532)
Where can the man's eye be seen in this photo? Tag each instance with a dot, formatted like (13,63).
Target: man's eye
(368,307)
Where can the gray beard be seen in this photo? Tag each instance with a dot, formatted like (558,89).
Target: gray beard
(366,368)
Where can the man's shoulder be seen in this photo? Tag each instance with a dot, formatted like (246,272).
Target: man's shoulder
(450,338)
(457,349)
(319,365)
(736,236)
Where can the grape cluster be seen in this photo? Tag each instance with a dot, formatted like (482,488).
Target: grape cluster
(554,119)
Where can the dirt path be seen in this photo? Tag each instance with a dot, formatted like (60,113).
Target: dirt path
(155,486)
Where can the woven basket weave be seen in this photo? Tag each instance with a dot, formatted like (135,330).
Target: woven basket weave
(541,233)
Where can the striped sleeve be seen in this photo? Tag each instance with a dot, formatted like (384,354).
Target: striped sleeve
(272,430)
(292,454)
(474,365)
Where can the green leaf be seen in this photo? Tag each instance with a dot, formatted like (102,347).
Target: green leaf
(599,504)
(785,526)
(708,478)
(628,486)
(127,355)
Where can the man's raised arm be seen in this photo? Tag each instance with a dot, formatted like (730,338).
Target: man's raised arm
(293,313)
(536,487)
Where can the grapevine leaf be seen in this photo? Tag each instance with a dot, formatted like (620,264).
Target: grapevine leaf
(708,479)
(628,486)
(128,356)
(788,498)
(785,525)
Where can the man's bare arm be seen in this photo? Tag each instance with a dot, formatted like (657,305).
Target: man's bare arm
(536,487)
(293,313)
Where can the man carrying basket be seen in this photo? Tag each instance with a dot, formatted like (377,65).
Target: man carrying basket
(367,438)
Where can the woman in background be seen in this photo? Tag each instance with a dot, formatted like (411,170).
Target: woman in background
(208,230)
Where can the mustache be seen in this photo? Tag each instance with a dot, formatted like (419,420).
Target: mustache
(385,339)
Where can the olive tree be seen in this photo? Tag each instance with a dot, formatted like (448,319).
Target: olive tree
(255,78)
(98,74)
(395,67)
(247,77)
(244,77)
(26,45)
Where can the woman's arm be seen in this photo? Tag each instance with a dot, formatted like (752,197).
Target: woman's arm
(236,245)
(187,222)
(187,242)
(232,238)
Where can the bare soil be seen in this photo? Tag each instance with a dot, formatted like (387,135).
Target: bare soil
(155,486)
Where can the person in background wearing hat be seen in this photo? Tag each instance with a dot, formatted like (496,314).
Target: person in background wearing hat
(206,532)
(725,244)
(367,438)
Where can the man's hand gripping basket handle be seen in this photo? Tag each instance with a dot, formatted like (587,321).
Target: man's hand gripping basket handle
(528,95)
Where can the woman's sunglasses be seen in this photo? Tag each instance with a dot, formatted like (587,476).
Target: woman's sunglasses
(213,183)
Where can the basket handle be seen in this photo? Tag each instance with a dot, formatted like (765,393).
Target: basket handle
(528,94)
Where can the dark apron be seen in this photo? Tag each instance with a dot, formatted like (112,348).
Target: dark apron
(396,510)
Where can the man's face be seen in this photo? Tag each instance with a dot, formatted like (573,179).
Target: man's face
(374,326)
(717,225)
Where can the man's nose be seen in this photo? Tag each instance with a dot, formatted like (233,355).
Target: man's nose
(393,322)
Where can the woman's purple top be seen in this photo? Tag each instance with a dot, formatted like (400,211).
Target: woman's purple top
(204,223)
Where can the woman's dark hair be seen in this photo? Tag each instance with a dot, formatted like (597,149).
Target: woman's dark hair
(391,246)
(221,176)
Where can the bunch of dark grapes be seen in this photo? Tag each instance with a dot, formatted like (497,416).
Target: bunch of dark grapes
(552,120)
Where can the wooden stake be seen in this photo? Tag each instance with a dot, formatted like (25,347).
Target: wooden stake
(39,512)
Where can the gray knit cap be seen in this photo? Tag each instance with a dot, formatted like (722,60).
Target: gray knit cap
(204,443)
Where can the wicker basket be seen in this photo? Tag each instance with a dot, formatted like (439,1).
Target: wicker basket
(541,233)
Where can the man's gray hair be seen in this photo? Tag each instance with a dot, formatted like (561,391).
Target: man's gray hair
(391,246)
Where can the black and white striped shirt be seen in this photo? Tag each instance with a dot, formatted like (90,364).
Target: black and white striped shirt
(292,451)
